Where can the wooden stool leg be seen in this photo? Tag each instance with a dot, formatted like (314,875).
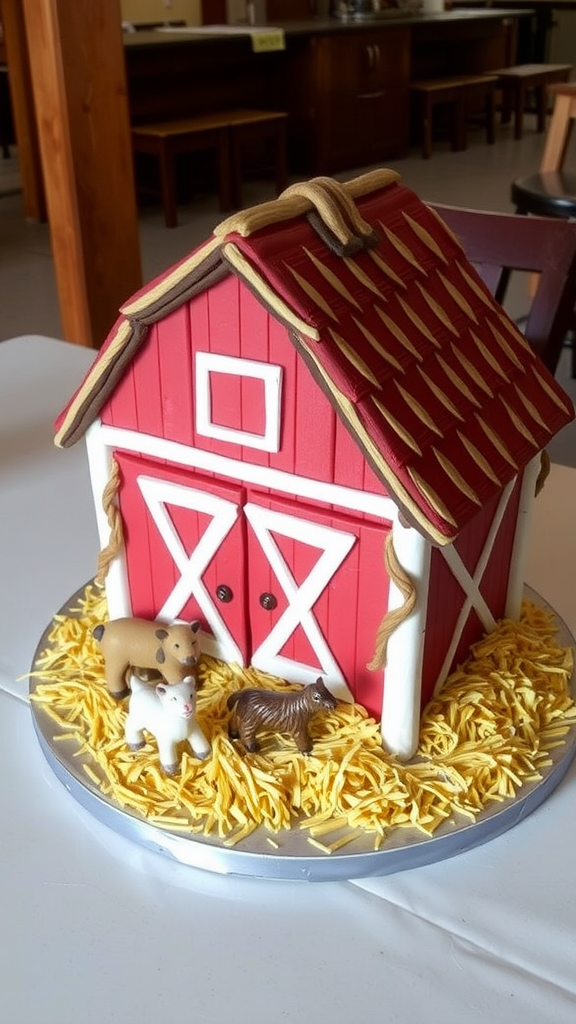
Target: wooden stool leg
(506,114)
(168,183)
(235,169)
(558,135)
(491,117)
(225,172)
(459,140)
(519,101)
(427,108)
(281,159)
(540,107)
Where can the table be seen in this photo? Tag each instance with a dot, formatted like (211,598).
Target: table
(95,929)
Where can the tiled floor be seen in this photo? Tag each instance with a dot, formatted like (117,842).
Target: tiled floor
(479,177)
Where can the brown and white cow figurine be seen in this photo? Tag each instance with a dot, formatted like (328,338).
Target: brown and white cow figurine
(254,709)
(135,644)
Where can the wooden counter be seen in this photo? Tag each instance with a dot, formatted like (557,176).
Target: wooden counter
(345,84)
(534,32)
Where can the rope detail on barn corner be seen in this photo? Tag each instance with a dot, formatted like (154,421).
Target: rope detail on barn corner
(392,619)
(544,471)
(110,506)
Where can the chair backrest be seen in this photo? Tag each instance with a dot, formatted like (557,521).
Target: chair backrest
(560,126)
(499,243)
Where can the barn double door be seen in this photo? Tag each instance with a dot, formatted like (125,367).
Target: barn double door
(294,589)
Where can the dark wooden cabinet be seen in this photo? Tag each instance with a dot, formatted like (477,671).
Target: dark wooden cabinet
(463,46)
(349,99)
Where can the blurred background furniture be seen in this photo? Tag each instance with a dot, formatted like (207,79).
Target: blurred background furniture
(168,140)
(6,127)
(227,134)
(459,94)
(518,82)
(546,194)
(551,192)
(560,127)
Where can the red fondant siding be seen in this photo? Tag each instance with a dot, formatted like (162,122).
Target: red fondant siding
(156,393)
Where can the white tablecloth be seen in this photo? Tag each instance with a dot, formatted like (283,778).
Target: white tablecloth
(93,928)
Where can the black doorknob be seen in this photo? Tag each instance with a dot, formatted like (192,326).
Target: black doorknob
(224,593)
(268,601)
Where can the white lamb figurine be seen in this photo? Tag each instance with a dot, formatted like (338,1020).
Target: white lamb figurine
(169,713)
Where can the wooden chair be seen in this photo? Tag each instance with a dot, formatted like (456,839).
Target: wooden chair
(498,244)
(551,192)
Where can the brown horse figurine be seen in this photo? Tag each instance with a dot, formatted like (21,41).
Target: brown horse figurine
(290,712)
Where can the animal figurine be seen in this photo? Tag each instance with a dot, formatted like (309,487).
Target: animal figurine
(169,713)
(290,712)
(172,650)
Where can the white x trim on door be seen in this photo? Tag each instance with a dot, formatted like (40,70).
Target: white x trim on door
(471,583)
(157,493)
(335,545)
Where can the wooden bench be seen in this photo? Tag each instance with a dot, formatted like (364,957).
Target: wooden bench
(461,93)
(515,84)
(254,126)
(225,133)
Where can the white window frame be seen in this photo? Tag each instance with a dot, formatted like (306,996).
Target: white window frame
(271,376)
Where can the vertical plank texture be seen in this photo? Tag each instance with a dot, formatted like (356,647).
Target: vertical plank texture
(79,84)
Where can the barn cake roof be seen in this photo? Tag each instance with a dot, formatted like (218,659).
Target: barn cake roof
(437,385)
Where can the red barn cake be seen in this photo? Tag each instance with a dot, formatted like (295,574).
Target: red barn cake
(320,435)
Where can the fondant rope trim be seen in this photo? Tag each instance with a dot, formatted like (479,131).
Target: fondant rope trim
(110,506)
(393,619)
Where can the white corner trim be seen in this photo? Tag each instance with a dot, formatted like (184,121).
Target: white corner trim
(521,538)
(100,465)
(471,583)
(207,363)
(401,699)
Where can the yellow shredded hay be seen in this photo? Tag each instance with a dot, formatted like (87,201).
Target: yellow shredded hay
(489,730)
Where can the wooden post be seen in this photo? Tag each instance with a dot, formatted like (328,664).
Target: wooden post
(23,110)
(79,82)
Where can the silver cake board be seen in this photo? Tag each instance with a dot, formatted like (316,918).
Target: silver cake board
(403,849)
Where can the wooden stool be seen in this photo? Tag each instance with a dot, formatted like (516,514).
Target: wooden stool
(515,83)
(224,132)
(166,140)
(460,93)
(248,126)
(546,194)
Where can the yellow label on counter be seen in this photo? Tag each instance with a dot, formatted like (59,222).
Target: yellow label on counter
(265,40)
